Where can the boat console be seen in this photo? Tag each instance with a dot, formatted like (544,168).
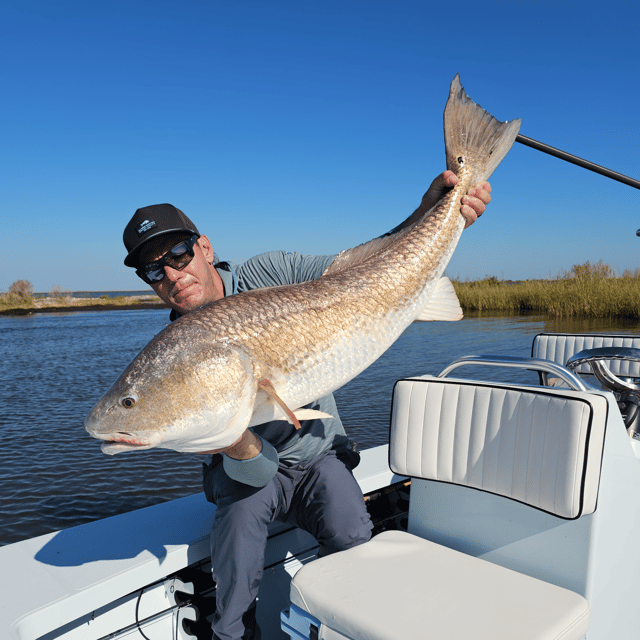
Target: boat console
(524,503)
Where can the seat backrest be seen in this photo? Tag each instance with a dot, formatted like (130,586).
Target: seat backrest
(539,446)
(559,347)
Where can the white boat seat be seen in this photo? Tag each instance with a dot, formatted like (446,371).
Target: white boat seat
(399,587)
(539,446)
(559,347)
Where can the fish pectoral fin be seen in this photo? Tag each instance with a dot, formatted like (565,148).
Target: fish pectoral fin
(443,303)
(310,414)
(270,390)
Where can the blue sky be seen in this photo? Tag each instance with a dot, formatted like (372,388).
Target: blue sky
(308,126)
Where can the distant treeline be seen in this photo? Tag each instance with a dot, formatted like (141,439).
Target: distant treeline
(586,290)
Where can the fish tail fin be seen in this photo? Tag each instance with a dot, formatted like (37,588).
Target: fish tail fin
(473,137)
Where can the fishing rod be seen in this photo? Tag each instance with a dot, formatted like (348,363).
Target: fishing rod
(585,164)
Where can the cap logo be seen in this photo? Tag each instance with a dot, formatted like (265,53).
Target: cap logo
(145,226)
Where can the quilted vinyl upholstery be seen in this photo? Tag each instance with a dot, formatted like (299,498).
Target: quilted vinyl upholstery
(541,447)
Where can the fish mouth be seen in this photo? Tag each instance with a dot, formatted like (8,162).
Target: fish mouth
(118,442)
(111,447)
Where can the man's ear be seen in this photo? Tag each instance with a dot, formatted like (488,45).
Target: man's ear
(206,247)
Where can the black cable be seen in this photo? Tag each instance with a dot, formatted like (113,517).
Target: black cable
(138,617)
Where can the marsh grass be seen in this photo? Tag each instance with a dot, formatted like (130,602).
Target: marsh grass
(587,290)
(12,301)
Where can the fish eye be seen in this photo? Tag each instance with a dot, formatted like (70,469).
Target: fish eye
(127,402)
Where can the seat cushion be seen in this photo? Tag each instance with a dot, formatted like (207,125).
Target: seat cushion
(399,586)
(539,446)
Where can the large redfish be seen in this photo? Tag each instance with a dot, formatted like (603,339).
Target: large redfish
(261,355)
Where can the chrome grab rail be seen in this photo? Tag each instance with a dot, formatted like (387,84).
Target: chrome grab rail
(531,364)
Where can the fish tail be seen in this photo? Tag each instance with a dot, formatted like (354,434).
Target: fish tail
(473,137)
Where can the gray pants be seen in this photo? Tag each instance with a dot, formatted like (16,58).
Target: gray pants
(321,496)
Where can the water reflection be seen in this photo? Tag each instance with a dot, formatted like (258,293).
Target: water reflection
(53,474)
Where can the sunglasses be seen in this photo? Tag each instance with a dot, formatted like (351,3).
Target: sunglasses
(177,258)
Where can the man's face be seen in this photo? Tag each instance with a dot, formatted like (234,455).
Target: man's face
(196,284)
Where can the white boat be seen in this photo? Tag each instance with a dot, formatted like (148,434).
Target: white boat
(520,522)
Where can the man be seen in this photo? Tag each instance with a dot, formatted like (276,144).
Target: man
(273,472)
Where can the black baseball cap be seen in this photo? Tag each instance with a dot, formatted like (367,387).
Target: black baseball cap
(151,222)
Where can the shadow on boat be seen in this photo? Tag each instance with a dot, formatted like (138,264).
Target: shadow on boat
(132,534)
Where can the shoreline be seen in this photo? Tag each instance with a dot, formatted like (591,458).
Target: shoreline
(71,305)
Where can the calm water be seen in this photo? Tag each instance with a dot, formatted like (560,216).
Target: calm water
(55,367)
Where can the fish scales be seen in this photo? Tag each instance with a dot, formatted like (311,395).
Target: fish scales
(306,339)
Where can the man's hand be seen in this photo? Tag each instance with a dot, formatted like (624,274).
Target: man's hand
(246,447)
(473,203)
